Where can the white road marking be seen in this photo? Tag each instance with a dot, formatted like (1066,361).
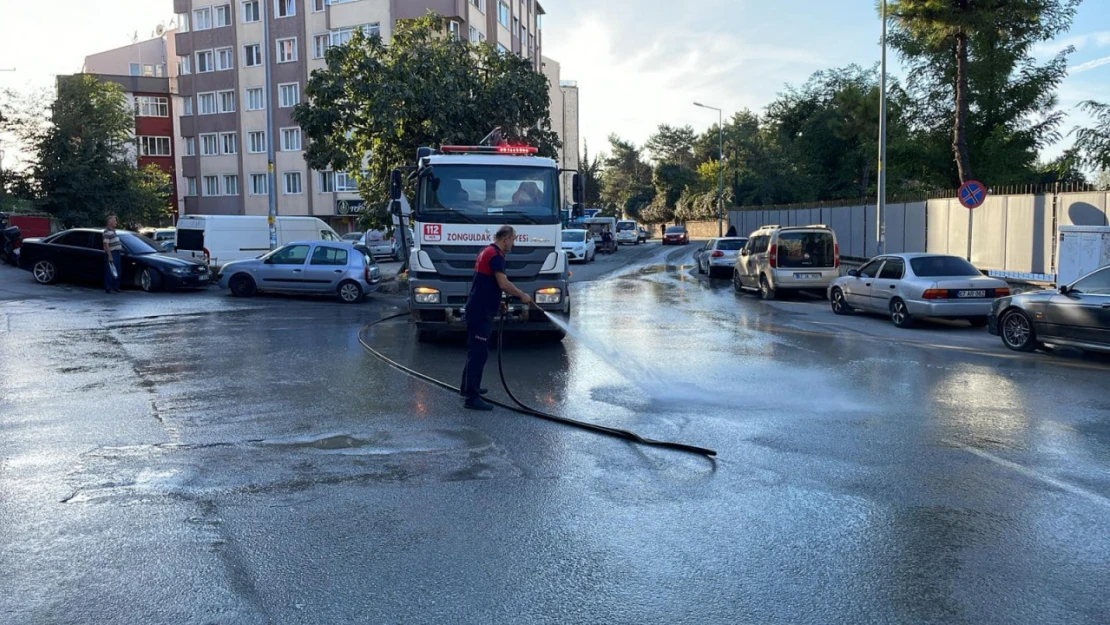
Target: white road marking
(1036,475)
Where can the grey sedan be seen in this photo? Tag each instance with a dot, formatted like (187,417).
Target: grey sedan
(306,267)
(906,286)
(1076,315)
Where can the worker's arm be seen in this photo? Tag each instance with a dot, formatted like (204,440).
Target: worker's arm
(510,288)
(107,250)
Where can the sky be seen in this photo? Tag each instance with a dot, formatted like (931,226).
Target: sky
(638,63)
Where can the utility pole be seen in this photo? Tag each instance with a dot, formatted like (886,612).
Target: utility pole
(720,167)
(880,209)
(271,179)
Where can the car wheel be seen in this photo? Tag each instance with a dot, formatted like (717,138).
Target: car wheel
(150,280)
(242,286)
(701,270)
(350,292)
(45,272)
(1017,332)
(765,290)
(839,303)
(978,322)
(736,284)
(900,314)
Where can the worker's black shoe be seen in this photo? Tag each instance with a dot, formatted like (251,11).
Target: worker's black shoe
(478,404)
(481,391)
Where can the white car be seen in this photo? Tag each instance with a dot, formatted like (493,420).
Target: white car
(779,259)
(719,255)
(627,233)
(579,245)
(379,245)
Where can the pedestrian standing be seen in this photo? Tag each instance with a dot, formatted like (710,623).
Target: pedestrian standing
(731,231)
(113,251)
(481,307)
(663,229)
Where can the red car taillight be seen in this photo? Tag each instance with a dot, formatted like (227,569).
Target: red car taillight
(1002,292)
(773,256)
(366,273)
(717,254)
(935,294)
(836,255)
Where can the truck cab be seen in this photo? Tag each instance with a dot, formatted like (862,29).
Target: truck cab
(463,195)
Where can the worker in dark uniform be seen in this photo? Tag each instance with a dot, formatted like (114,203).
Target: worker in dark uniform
(481,308)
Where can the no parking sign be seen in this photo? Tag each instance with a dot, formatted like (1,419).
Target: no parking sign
(972,194)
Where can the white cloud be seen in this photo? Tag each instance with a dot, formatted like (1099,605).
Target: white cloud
(1089,65)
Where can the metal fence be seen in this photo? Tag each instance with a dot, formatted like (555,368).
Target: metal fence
(1009,235)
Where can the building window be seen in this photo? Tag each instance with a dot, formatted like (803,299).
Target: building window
(225,59)
(205,62)
(184,65)
(231,184)
(255,99)
(227,101)
(503,14)
(256,141)
(531,45)
(211,185)
(287,50)
(326,182)
(285,8)
(320,45)
(345,182)
(480,4)
(260,184)
(190,146)
(209,145)
(223,15)
(340,36)
(473,35)
(292,183)
(191,186)
(187,106)
(250,11)
(290,94)
(516,27)
(453,31)
(502,49)
(135,69)
(318,5)
(481,37)
(206,102)
(252,55)
(202,19)
(154,146)
(147,106)
(182,22)
(229,143)
(290,139)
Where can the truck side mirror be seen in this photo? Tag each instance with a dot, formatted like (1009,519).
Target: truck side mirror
(395,186)
(578,191)
(395,207)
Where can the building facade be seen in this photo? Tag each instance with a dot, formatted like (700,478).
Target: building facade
(564,120)
(221,77)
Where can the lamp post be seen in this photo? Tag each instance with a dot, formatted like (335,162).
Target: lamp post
(720,166)
(880,208)
(271,178)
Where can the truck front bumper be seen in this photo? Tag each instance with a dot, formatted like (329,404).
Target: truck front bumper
(449,315)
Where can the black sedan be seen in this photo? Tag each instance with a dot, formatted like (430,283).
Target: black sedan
(78,256)
(1076,315)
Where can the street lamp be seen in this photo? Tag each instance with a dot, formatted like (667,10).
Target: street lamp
(880,208)
(720,166)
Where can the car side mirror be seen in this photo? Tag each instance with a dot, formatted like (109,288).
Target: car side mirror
(854,273)
(1065,289)
(744,252)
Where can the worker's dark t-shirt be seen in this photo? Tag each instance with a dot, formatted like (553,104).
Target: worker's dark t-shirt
(485,294)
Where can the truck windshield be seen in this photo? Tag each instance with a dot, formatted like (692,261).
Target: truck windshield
(488,194)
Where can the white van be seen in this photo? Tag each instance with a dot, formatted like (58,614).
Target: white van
(628,233)
(778,259)
(220,239)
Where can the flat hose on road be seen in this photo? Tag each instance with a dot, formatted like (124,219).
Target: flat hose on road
(520,407)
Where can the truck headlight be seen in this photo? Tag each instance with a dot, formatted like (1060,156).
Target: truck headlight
(550,295)
(425,295)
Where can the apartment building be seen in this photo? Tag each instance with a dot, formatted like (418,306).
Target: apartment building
(220,67)
(564,119)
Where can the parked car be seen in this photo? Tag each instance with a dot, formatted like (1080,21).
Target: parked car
(220,239)
(643,234)
(380,246)
(580,245)
(719,255)
(306,267)
(779,259)
(627,233)
(159,235)
(907,286)
(676,235)
(396,243)
(78,256)
(352,237)
(1075,315)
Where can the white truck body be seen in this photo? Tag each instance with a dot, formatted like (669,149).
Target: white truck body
(220,239)
(1081,250)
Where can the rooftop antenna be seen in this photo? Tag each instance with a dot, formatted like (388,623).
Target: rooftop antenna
(493,138)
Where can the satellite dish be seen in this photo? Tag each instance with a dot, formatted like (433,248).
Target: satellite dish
(160,30)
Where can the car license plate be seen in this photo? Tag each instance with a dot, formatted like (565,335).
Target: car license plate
(979,293)
(807,276)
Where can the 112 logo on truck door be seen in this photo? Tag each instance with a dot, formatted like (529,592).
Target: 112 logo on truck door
(433,232)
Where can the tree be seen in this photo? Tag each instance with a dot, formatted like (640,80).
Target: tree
(86,159)
(672,145)
(591,177)
(374,104)
(627,180)
(970,61)
(1092,145)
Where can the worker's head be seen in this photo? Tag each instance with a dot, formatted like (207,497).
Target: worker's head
(112,221)
(504,238)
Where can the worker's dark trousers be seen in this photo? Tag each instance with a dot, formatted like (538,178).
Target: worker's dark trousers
(479,329)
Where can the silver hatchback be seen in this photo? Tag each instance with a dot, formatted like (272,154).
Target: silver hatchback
(306,267)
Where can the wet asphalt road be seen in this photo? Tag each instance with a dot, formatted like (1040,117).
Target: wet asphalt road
(193,458)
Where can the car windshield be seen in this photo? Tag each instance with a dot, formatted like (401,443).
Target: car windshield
(574,235)
(488,194)
(731,244)
(942,267)
(676,230)
(806,249)
(137,244)
(625,225)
